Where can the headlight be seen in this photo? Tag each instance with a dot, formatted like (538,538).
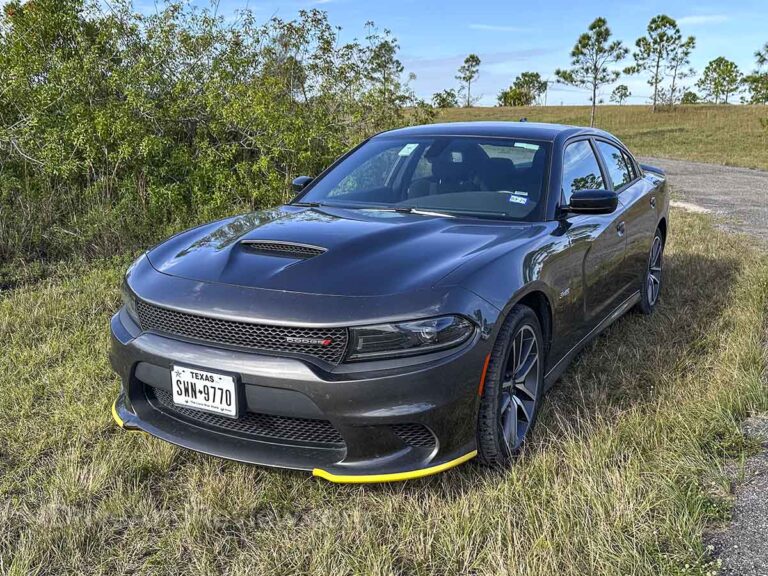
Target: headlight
(408,338)
(129,301)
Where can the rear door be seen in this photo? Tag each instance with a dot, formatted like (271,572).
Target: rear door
(637,197)
(599,239)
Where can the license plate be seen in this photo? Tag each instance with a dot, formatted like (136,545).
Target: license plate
(206,391)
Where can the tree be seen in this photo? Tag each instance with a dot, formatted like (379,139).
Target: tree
(757,82)
(679,67)
(620,93)
(689,98)
(530,85)
(445,99)
(386,93)
(512,97)
(652,50)
(468,73)
(590,60)
(117,127)
(757,85)
(525,90)
(762,56)
(720,79)
(662,53)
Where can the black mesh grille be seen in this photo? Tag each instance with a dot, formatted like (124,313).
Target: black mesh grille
(309,341)
(252,424)
(414,434)
(285,249)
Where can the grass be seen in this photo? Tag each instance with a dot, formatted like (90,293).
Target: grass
(622,476)
(730,135)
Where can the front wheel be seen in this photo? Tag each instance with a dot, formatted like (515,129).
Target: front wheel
(651,288)
(512,389)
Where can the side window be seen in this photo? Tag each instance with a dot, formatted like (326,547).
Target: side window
(631,165)
(580,170)
(615,163)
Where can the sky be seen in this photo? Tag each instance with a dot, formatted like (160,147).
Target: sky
(513,36)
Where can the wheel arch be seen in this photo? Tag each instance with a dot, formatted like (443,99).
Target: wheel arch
(538,301)
(662,225)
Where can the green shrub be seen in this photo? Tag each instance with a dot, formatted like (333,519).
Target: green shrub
(117,127)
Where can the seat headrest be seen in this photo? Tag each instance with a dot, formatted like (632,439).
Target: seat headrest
(448,167)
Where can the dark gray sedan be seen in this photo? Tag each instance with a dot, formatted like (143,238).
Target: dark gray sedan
(404,314)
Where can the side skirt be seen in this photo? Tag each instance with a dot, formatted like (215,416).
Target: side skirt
(557,370)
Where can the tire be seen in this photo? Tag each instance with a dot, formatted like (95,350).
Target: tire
(650,291)
(501,399)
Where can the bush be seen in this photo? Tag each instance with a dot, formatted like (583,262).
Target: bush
(117,128)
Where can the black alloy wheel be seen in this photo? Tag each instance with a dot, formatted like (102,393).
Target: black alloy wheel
(651,289)
(512,389)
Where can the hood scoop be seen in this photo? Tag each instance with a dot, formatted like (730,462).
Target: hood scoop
(282,249)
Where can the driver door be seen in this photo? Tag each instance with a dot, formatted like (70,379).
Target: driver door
(599,240)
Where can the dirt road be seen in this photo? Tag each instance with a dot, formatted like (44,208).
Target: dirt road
(739,196)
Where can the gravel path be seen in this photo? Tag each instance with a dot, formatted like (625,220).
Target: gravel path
(742,547)
(739,196)
(739,199)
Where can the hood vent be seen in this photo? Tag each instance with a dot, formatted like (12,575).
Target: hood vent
(282,249)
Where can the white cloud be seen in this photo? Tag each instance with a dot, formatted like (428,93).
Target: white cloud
(498,28)
(487,58)
(703,19)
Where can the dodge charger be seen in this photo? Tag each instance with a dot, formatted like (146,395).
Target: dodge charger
(403,313)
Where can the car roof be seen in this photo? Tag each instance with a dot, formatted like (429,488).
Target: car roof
(523,130)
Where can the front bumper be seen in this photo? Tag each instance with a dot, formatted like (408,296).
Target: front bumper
(391,422)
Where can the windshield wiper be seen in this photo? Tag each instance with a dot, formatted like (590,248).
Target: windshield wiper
(307,204)
(410,210)
(400,209)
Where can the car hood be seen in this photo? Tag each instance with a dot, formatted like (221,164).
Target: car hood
(365,252)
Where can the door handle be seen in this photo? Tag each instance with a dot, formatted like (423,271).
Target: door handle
(653,201)
(620,228)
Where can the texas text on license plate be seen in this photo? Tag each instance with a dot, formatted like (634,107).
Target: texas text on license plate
(202,390)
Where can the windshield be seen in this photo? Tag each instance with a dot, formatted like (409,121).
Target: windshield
(454,175)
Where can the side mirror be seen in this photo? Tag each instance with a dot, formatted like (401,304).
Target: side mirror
(592,202)
(300,182)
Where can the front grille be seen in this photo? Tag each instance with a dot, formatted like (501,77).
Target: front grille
(414,434)
(284,249)
(251,424)
(306,341)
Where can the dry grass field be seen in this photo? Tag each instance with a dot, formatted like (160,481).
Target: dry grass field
(622,476)
(730,135)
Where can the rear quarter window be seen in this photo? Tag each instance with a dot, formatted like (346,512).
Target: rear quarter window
(616,163)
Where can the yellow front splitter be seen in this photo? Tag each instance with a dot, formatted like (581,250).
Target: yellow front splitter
(116,416)
(393,477)
(120,422)
(358,478)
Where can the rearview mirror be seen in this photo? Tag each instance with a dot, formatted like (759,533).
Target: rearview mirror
(593,202)
(300,182)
